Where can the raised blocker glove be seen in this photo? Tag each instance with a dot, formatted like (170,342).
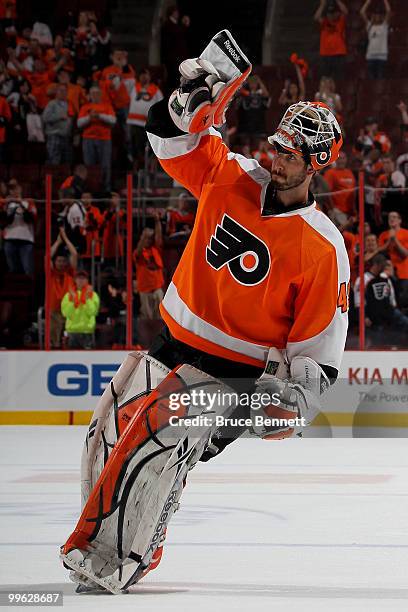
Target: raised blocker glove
(295,395)
(208,84)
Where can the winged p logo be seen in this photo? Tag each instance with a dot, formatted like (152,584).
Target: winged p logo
(246,256)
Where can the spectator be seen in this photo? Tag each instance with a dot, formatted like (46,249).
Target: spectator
(381,310)
(79,306)
(93,223)
(370,137)
(40,79)
(5,119)
(96,119)
(351,242)
(246,151)
(57,121)
(81,44)
(370,247)
(402,107)
(23,104)
(180,220)
(327,94)
(395,180)
(148,261)
(19,218)
(174,46)
(293,92)
(76,94)
(340,180)
(8,9)
(333,47)
(143,95)
(395,240)
(112,227)
(99,45)
(42,33)
(264,154)
(115,92)
(115,305)
(73,218)
(320,189)
(76,181)
(253,102)
(64,261)
(59,57)
(377,26)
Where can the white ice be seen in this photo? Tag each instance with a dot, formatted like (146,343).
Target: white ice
(297,525)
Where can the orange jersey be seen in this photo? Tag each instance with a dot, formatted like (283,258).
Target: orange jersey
(333,36)
(246,281)
(40,83)
(93,223)
(149,270)
(60,284)
(399,261)
(339,180)
(351,241)
(99,128)
(76,96)
(52,57)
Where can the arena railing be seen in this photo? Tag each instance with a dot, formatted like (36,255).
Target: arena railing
(138,206)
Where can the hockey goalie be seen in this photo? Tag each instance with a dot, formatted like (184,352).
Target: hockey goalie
(260,295)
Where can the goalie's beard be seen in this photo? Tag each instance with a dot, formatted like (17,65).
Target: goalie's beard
(290,183)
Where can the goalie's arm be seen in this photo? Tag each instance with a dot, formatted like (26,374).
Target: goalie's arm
(320,322)
(191,159)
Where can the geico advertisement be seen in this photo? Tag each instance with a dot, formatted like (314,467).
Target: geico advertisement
(72,380)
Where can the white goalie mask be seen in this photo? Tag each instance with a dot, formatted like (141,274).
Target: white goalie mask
(310,129)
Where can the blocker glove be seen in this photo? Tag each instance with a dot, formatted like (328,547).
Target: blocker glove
(295,393)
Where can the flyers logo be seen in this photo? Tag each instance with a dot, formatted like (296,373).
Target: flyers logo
(246,256)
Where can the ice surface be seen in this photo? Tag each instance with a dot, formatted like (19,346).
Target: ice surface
(308,525)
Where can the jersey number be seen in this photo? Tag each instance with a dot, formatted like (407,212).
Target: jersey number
(343,297)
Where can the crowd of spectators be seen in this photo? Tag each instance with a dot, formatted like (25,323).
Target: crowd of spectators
(74,92)
(63,87)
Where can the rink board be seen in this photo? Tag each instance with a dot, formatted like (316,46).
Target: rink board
(62,387)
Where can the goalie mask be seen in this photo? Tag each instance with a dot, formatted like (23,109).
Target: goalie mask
(310,129)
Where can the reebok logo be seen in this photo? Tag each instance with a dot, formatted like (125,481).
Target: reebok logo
(246,256)
(235,56)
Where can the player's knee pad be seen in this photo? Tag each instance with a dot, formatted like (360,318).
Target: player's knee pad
(143,450)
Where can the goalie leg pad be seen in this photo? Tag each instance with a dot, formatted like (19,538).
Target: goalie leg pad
(128,510)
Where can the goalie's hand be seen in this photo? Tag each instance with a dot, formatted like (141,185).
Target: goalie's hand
(208,84)
(191,105)
(296,398)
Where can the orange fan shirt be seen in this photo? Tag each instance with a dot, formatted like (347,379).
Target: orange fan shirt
(149,270)
(93,223)
(333,36)
(400,263)
(118,97)
(60,284)
(351,241)
(40,83)
(247,282)
(99,128)
(339,180)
